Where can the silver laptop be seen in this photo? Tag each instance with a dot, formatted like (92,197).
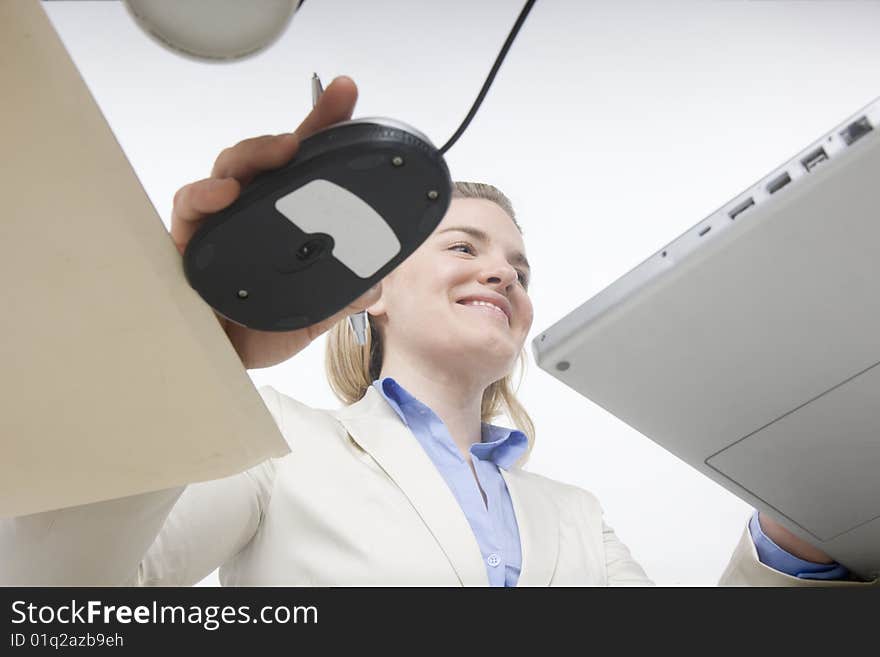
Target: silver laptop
(749,346)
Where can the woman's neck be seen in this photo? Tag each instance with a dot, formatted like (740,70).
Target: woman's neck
(456,400)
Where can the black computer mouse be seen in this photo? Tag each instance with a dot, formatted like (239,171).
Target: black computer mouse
(305,240)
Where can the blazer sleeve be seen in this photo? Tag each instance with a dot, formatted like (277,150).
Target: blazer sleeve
(746,569)
(621,569)
(169,537)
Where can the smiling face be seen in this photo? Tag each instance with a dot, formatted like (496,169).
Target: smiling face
(459,303)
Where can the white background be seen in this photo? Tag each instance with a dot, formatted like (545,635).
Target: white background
(613,127)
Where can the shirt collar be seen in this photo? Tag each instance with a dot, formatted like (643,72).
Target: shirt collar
(394,394)
(499,445)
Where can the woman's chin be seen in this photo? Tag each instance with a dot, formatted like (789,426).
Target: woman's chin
(490,353)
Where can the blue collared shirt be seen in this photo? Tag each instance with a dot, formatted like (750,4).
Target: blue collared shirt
(494,526)
(493,523)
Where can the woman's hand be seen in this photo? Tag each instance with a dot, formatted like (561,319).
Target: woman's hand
(234,168)
(791,543)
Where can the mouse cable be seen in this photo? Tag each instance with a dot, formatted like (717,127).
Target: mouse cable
(488,83)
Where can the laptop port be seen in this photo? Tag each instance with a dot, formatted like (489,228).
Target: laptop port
(742,207)
(812,160)
(778,183)
(704,231)
(856,130)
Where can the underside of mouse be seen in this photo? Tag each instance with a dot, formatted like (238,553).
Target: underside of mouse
(305,240)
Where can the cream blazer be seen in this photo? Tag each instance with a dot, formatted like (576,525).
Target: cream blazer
(356,502)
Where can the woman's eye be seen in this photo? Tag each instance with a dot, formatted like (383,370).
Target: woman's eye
(467,248)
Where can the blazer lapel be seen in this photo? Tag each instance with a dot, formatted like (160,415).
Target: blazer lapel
(374,425)
(538,521)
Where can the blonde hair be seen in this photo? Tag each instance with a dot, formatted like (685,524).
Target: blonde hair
(351,368)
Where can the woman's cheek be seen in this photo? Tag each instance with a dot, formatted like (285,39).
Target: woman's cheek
(525,310)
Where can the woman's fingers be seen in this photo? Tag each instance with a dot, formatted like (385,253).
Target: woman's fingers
(252,156)
(194,201)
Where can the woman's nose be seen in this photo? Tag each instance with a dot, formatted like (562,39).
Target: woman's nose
(499,273)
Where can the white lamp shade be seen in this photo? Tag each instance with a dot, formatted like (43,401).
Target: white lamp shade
(214,29)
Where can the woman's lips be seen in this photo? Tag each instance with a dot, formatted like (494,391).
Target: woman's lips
(486,308)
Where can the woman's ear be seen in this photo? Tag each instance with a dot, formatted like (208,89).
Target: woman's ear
(377,308)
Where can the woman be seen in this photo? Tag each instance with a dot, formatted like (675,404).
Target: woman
(407,484)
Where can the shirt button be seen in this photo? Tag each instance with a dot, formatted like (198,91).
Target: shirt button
(493,560)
